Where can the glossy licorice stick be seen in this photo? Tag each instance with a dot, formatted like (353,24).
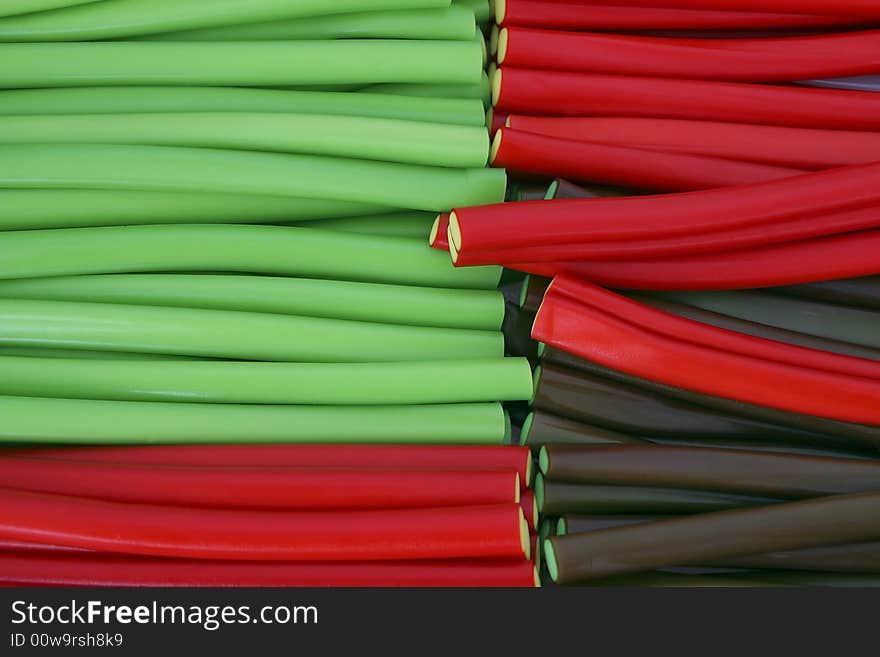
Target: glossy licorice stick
(744,368)
(533,293)
(857,557)
(768,59)
(376,535)
(803,429)
(77,421)
(555,498)
(563,15)
(170,168)
(670,215)
(856,292)
(232,334)
(561,188)
(620,407)
(370,302)
(572,523)
(725,470)
(413,224)
(560,93)
(704,538)
(844,255)
(627,166)
(446,23)
(857,83)
(24,209)
(755,328)
(274,250)
(827,320)
(134,17)
(389,140)
(27,569)
(517,328)
(263,488)
(427,382)
(792,147)
(541,428)
(301,456)
(141,100)
(737,242)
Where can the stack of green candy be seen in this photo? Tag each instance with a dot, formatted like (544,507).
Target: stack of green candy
(213,224)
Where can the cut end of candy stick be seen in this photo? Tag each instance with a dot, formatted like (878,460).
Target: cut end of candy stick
(507,123)
(508,427)
(539,491)
(536,380)
(435,228)
(550,558)
(524,434)
(502,46)
(517,488)
(453,234)
(496,86)
(496,145)
(542,347)
(561,527)
(500,11)
(536,576)
(529,470)
(552,187)
(543,459)
(493,40)
(524,537)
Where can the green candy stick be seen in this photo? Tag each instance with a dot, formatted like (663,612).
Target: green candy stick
(276,250)
(141,100)
(449,23)
(438,382)
(24,209)
(390,140)
(120,18)
(77,421)
(231,334)
(15,7)
(415,225)
(480,90)
(368,302)
(164,168)
(239,63)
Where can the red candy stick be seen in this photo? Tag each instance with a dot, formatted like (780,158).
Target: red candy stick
(596,335)
(558,93)
(113,570)
(479,457)
(627,218)
(525,152)
(386,535)
(792,147)
(574,16)
(771,233)
(823,259)
(746,60)
(262,488)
